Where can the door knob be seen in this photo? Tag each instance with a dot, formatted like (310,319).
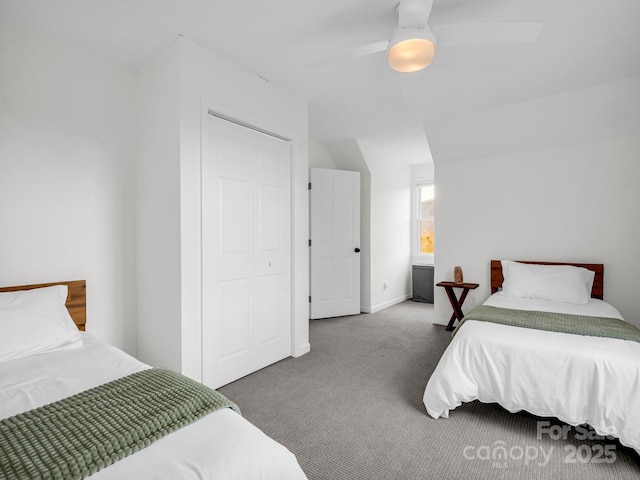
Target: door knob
(357,250)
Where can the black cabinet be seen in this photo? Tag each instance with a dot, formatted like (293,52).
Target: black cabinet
(422,280)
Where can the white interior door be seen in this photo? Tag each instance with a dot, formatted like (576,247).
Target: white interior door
(246,251)
(335,243)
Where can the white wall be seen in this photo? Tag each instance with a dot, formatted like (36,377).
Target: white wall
(66,177)
(424,171)
(570,203)
(390,228)
(158,212)
(192,79)
(320,156)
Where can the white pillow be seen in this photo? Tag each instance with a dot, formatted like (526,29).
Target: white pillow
(35,321)
(588,276)
(562,283)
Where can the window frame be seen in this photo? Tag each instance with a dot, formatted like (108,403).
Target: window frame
(418,257)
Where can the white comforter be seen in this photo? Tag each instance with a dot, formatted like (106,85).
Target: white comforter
(222,445)
(578,379)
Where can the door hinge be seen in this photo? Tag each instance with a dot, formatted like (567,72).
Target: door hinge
(309,185)
(309,298)
(309,242)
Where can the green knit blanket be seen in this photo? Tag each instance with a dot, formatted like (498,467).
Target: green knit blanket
(79,435)
(555,322)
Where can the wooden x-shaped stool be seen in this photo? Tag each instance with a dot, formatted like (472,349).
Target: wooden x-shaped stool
(456,303)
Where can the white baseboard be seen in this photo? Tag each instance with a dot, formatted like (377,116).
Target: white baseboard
(301,350)
(389,303)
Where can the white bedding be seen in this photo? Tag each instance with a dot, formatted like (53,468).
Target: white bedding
(578,379)
(222,445)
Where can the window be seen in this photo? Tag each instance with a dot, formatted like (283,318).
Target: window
(426,219)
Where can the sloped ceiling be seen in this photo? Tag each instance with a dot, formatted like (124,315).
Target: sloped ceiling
(583,44)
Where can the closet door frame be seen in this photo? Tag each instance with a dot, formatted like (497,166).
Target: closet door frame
(299,222)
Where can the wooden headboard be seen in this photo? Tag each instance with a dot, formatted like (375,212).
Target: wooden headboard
(76,298)
(598,283)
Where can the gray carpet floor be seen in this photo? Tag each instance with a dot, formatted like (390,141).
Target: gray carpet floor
(352,409)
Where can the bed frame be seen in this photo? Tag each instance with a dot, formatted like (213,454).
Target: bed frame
(76,298)
(598,283)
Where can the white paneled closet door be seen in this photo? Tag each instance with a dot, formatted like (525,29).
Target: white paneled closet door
(246,251)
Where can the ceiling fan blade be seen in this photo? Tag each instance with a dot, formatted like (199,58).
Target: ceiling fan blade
(475,34)
(351,54)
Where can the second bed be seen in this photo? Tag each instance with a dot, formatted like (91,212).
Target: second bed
(580,379)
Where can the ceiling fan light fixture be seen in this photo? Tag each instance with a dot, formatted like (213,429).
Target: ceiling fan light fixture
(411,49)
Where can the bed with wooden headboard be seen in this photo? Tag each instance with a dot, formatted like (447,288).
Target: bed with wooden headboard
(39,378)
(598,268)
(76,298)
(527,349)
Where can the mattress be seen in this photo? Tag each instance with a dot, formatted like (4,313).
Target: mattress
(222,445)
(578,379)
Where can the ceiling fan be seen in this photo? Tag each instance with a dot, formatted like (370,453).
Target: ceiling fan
(413,43)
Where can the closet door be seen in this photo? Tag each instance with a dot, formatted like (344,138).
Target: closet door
(246,251)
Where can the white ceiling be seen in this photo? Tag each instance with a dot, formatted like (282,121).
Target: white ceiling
(583,43)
